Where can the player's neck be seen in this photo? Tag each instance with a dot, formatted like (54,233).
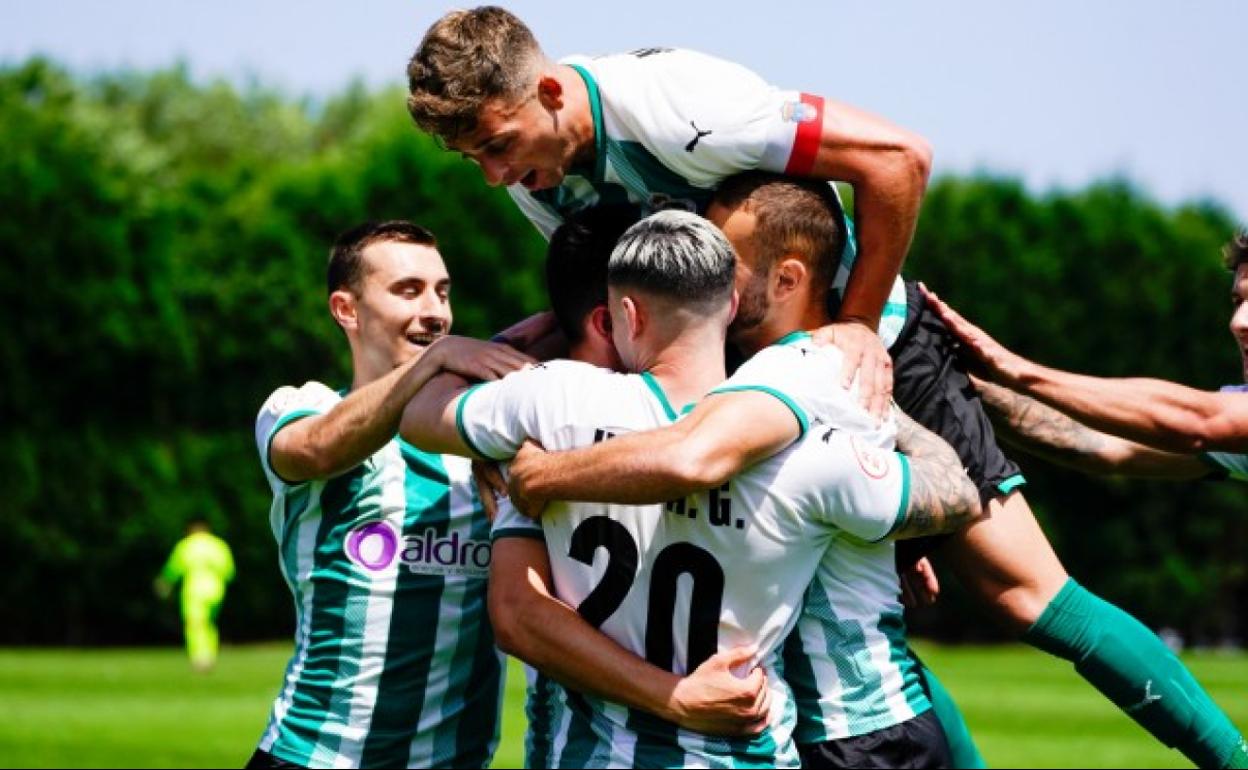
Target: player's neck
(689,368)
(579,113)
(783,321)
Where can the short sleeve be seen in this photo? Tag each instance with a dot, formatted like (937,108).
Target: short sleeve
(542,216)
(509,522)
(495,418)
(284,406)
(862,490)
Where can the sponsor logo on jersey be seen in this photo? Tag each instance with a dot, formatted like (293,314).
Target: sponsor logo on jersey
(874,462)
(798,112)
(376,545)
(372,545)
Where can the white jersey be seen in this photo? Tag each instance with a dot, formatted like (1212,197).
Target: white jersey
(847,661)
(676,583)
(671,124)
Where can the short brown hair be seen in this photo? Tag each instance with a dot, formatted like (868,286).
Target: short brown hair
(346,260)
(1235,252)
(466,59)
(794,215)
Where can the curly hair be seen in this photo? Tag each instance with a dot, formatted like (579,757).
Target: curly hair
(1235,252)
(466,59)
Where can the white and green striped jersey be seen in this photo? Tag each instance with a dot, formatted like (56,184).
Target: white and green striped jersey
(846,661)
(394,662)
(671,124)
(676,583)
(1234,463)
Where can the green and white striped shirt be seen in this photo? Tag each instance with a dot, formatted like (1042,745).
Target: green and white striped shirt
(394,663)
(846,660)
(671,124)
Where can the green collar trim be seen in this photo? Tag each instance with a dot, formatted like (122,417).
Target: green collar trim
(657,390)
(792,338)
(600,131)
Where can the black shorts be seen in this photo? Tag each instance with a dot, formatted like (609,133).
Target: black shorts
(915,743)
(931,386)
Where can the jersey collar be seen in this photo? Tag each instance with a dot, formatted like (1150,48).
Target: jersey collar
(657,390)
(600,132)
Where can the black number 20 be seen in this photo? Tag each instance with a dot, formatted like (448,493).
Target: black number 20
(673,561)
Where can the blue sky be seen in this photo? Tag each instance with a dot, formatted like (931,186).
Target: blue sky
(1059,93)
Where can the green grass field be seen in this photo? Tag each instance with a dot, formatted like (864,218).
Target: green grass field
(145,708)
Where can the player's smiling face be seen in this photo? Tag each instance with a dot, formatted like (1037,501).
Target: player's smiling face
(519,143)
(1239,314)
(404,302)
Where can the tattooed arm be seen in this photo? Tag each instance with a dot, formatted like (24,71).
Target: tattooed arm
(942,497)
(1041,430)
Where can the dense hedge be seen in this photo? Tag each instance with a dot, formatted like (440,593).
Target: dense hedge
(164,244)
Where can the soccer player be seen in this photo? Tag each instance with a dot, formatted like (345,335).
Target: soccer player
(661,125)
(384,547)
(749,547)
(782,230)
(204,564)
(1137,414)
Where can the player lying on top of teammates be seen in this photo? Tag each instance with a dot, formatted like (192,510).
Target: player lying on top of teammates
(785,233)
(750,547)
(661,125)
(1138,427)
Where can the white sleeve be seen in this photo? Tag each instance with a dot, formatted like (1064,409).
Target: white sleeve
(495,418)
(542,216)
(708,118)
(862,490)
(284,406)
(509,522)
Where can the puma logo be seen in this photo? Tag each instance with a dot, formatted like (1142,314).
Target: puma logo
(827,437)
(1148,698)
(689,147)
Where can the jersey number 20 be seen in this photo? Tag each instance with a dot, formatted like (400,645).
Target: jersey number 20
(673,561)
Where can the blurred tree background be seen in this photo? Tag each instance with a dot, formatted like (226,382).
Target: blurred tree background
(164,245)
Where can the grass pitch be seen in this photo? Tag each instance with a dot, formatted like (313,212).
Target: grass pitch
(145,708)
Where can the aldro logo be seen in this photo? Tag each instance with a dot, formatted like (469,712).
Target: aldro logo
(376,545)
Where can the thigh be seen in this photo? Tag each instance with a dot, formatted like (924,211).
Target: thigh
(1006,562)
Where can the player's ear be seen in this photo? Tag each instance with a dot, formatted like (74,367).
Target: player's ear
(550,92)
(600,322)
(734,305)
(788,276)
(342,308)
(634,316)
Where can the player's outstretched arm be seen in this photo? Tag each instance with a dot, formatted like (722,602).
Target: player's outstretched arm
(724,434)
(1154,412)
(942,497)
(1044,431)
(533,625)
(322,446)
(888,167)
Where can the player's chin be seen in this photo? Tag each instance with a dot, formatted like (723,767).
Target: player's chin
(541,180)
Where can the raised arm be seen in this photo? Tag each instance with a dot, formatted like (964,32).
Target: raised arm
(321,446)
(1157,413)
(533,625)
(888,168)
(942,497)
(702,451)
(1044,431)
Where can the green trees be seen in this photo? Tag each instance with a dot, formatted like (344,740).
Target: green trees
(164,247)
(163,251)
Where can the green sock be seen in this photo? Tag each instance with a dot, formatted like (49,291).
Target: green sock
(962,746)
(1135,670)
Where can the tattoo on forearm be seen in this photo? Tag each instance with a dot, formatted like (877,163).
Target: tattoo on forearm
(1043,429)
(942,497)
